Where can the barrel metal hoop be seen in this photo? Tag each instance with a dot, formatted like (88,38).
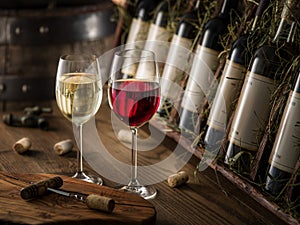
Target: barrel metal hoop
(59,28)
(18,87)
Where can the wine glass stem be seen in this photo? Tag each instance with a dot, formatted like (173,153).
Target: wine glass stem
(134,159)
(79,153)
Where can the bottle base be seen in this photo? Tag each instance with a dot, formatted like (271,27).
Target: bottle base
(239,158)
(276,180)
(188,124)
(213,139)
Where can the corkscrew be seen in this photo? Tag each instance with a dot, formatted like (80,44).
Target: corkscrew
(92,201)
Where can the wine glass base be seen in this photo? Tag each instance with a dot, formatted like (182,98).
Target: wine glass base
(148,192)
(88,178)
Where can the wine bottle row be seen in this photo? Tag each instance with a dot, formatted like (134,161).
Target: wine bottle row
(250,121)
(241,99)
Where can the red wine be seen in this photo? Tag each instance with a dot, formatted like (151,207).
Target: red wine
(286,148)
(230,85)
(204,65)
(133,101)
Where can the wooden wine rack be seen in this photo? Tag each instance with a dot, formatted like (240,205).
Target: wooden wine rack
(241,183)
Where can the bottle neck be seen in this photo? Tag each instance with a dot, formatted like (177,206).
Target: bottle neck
(285,32)
(296,84)
(197,5)
(161,16)
(144,9)
(226,7)
(187,25)
(287,26)
(263,4)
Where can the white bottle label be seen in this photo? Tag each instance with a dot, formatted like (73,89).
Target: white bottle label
(201,78)
(135,40)
(177,64)
(252,111)
(286,148)
(158,41)
(227,95)
(137,34)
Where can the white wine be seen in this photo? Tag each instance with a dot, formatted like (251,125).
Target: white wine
(78,96)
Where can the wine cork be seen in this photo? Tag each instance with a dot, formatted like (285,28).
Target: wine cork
(22,145)
(63,147)
(178,179)
(101,203)
(40,188)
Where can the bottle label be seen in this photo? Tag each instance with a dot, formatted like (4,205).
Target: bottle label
(146,70)
(201,78)
(252,111)
(190,101)
(227,95)
(136,39)
(286,148)
(137,34)
(177,64)
(158,41)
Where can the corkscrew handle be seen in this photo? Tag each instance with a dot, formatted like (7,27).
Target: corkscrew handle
(40,188)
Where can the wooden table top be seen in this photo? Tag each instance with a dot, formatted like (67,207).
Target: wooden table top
(207,198)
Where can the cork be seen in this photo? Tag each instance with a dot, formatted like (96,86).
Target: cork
(101,203)
(63,147)
(40,188)
(178,179)
(22,145)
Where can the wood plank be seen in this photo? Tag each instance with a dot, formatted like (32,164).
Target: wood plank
(53,208)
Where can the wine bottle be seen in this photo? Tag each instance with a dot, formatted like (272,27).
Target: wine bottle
(177,62)
(286,148)
(159,36)
(204,65)
(140,24)
(138,32)
(254,105)
(230,84)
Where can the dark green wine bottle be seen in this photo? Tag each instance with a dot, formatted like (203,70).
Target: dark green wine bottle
(286,148)
(159,36)
(204,65)
(178,59)
(140,24)
(230,84)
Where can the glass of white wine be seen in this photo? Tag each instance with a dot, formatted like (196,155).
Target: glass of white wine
(78,95)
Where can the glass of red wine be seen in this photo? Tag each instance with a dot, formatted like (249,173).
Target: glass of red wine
(134,96)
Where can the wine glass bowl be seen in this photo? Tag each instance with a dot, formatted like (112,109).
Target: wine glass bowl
(134,97)
(78,96)
(133,101)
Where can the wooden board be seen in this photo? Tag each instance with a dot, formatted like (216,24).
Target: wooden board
(56,209)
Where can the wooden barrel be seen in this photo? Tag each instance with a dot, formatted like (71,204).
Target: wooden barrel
(34,36)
